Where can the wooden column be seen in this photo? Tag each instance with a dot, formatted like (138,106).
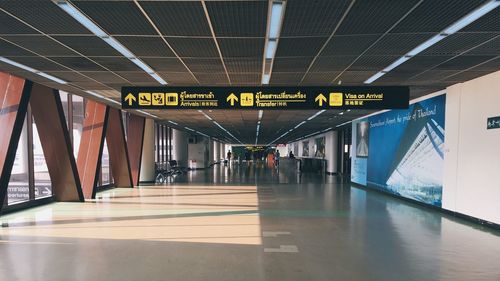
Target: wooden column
(48,113)
(117,148)
(91,145)
(14,97)
(134,142)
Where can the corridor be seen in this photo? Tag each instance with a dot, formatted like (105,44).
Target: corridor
(245,222)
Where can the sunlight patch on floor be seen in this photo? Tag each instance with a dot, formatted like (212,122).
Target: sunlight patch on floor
(204,214)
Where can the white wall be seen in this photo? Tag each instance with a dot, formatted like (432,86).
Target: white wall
(283,151)
(471,172)
(199,152)
(330,149)
(472,153)
(227,147)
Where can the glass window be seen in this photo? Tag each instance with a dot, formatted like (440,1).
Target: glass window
(43,185)
(157,143)
(78,115)
(125,123)
(18,189)
(106,177)
(64,101)
(162,144)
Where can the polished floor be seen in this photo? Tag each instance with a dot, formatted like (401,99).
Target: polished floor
(244,222)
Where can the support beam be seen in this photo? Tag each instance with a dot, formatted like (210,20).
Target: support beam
(14,98)
(135,133)
(117,147)
(91,145)
(48,113)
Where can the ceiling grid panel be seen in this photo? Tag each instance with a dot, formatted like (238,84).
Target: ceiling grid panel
(207,15)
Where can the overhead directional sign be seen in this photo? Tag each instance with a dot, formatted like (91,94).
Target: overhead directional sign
(394,97)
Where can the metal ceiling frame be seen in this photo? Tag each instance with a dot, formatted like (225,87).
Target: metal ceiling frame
(148,18)
(215,39)
(236,67)
(378,40)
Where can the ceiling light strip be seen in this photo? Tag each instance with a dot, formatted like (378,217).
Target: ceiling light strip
(298,125)
(189,129)
(32,70)
(260,114)
(271,45)
(148,114)
(455,27)
(345,123)
(66,46)
(316,115)
(312,134)
(105,98)
(50,77)
(162,37)
(339,23)
(95,29)
(206,115)
(219,125)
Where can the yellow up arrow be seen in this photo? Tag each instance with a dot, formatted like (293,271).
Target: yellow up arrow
(320,99)
(130,98)
(232,98)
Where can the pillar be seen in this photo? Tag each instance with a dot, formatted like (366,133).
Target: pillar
(148,153)
(211,152)
(216,151)
(14,97)
(117,147)
(180,147)
(135,133)
(331,150)
(47,110)
(91,146)
(221,151)
(48,113)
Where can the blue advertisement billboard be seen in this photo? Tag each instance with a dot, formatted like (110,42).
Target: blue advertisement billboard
(404,154)
(359,153)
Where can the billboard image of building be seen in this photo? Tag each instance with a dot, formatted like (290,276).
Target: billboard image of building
(407,151)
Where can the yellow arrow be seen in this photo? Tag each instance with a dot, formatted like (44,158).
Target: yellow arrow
(232,98)
(320,99)
(130,98)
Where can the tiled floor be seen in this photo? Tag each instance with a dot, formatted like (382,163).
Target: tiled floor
(248,222)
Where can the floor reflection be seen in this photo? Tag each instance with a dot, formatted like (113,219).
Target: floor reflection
(209,225)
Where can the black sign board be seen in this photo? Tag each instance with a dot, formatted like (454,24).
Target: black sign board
(493,123)
(265,97)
